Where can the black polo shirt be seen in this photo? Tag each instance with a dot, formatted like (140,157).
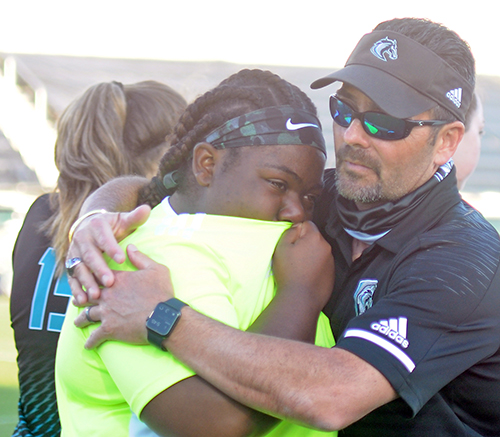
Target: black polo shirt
(422,305)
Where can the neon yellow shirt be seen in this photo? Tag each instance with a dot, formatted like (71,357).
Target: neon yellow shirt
(221,267)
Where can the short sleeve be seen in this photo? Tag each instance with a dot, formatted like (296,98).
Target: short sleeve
(438,318)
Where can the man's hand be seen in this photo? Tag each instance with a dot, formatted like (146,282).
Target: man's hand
(303,262)
(97,234)
(123,308)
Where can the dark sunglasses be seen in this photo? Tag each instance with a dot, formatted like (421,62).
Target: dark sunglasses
(377,124)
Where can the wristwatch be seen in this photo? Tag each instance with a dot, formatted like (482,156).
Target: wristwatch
(162,321)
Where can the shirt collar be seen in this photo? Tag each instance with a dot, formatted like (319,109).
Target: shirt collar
(167,208)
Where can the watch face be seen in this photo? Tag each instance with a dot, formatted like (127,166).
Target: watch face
(163,319)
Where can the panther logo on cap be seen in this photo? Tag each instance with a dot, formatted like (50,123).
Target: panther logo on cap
(385,48)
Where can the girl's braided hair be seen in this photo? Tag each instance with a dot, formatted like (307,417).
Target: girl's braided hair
(243,92)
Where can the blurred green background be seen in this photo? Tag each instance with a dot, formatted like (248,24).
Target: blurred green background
(8,372)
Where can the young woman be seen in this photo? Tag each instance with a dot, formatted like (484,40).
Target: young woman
(111,130)
(246,162)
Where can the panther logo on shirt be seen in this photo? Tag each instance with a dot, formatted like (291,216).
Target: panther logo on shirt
(363,296)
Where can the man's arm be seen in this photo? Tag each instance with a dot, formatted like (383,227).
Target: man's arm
(119,194)
(100,232)
(324,388)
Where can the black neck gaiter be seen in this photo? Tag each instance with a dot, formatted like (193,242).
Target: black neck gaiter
(374,223)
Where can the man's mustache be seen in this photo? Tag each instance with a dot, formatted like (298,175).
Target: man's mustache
(357,156)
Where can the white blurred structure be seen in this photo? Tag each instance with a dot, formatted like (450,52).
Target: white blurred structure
(24,121)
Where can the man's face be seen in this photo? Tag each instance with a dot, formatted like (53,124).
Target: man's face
(276,183)
(372,171)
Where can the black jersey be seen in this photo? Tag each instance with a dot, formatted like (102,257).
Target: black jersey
(38,304)
(422,305)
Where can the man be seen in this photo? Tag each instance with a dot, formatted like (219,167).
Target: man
(415,303)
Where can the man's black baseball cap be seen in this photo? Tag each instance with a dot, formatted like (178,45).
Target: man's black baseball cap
(402,77)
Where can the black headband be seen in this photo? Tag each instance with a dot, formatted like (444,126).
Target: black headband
(273,126)
(277,125)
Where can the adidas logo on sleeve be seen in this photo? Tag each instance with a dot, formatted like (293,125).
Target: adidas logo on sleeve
(395,329)
(390,335)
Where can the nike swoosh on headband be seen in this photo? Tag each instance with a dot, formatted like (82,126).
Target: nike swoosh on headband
(293,126)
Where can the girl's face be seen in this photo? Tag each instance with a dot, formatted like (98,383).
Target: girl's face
(275,183)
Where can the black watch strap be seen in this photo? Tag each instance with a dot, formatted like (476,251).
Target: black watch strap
(176,303)
(156,340)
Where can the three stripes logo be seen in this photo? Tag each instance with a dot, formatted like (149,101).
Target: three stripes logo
(395,329)
(389,335)
(455,96)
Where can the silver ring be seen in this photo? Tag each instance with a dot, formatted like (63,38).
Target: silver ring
(71,264)
(87,315)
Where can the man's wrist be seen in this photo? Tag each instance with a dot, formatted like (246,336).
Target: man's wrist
(162,321)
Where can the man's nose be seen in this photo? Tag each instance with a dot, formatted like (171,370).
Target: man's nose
(355,135)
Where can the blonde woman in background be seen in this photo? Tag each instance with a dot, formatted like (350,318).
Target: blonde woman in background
(110,131)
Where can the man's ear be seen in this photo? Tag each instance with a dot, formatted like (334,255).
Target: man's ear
(205,157)
(447,141)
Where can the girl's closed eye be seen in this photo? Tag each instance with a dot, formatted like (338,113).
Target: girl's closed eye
(280,185)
